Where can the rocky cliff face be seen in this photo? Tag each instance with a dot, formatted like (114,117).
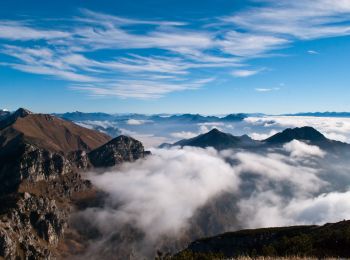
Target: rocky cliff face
(41,161)
(118,150)
(30,226)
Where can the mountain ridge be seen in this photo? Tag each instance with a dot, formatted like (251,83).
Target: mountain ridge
(329,240)
(220,140)
(42,159)
(217,139)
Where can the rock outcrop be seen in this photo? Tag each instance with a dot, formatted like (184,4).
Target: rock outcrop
(30,226)
(116,151)
(41,161)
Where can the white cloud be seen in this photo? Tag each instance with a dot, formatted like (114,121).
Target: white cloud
(148,140)
(244,73)
(331,127)
(279,168)
(250,45)
(301,149)
(266,89)
(62,51)
(296,19)
(267,209)
(23,32)
(135,122)
(183,135)
(266,188)
(262,136)
(312,52)
(93,123)
(154,193)
(139,89)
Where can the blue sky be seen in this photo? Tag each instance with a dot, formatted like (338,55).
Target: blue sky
(156,56)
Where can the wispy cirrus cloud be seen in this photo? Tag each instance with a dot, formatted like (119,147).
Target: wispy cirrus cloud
(312,52)
(155,57)
(245,73)
(21,31)
(266,89)
(250,45)
(296,19)
(139,89)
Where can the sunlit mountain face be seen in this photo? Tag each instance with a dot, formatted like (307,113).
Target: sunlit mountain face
(174,130)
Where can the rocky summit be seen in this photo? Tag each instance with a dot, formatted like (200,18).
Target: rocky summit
(42,158)
(116,151)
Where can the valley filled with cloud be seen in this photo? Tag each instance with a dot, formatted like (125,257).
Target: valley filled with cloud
(167,197)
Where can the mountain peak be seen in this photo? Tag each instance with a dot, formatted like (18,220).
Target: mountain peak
(216,139)
(22,112)
(234,117)
(49,132)
(306,133)
(120,149)
(9,119)
(215,131)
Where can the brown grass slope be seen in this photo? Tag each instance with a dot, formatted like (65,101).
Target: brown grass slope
(48,132)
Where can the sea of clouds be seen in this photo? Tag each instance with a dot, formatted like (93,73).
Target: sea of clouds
(154,133)
(163,193)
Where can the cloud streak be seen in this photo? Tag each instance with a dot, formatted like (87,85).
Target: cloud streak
(154,193)
(175,50)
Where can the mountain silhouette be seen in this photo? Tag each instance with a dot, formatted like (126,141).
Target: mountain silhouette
(217,140)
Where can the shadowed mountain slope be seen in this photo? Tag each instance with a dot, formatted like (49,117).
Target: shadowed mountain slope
(218,140)
(308,135)
(330,240)
(305,133)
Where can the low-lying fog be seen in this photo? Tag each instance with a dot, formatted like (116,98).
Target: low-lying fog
(177,195)
(154,132)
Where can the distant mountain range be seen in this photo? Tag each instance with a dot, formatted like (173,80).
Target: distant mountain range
(196,118)
(76,116)
(322,114)
(220,140)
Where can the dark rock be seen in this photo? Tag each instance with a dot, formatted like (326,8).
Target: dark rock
(31,163)
(25,214)
(330,240)
(41,157)
(303,133)
(120,149)
(7,245)
(80,159)
(218,140)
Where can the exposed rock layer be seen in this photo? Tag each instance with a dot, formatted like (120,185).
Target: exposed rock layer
(41,158)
